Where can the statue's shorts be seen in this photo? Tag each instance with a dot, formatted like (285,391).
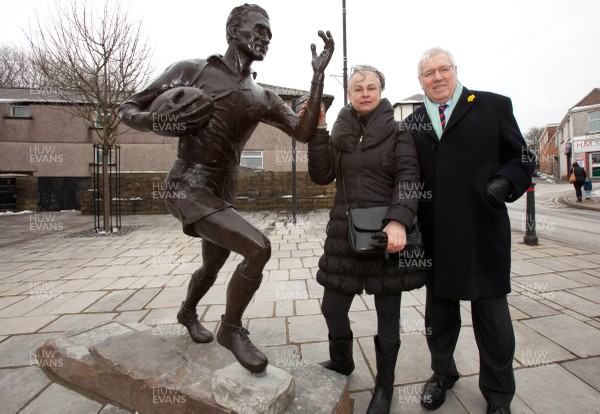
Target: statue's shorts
(195,191)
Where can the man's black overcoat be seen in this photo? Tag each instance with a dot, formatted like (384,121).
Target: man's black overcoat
(466,237)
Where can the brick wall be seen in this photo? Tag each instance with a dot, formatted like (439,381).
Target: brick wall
(257,191)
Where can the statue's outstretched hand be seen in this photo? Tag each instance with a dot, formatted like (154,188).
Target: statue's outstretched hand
(320,62)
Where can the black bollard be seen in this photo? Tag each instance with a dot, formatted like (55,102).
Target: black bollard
(530,238)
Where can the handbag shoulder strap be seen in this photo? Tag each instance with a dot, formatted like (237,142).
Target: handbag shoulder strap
(344,183)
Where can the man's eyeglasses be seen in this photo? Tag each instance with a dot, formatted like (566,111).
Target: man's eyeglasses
(442,70)
(368,68)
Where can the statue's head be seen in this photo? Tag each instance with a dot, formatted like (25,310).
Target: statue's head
(248,25)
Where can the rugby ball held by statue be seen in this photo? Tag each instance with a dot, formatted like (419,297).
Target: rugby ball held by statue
(174,122)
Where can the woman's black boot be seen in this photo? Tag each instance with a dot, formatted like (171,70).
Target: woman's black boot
(384,381)
(340,353)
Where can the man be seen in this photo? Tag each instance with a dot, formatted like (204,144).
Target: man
(473,159)
(216,125)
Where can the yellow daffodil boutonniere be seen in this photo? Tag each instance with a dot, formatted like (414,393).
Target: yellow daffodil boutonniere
(471,98)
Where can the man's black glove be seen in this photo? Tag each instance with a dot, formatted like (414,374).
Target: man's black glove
(498,190)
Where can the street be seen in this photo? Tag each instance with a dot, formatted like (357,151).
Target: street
(555,221)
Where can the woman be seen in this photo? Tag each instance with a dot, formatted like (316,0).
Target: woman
(580,176)
(374,164)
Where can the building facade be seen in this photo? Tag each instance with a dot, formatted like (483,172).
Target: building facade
(548,157)
(578,136)
(407,106)
(39,138)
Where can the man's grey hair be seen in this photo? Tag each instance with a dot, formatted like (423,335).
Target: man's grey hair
(429,53)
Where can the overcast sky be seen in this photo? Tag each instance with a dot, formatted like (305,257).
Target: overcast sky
(545,55)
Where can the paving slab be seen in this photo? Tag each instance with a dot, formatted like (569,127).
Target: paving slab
(553,389)
(576,303)
(533,349)
(268,331)
(529,305)
(259,310)
(139,299)
(18,386)
(591,293)
(110,301)
(588,370)
(131,316)
(526,267)
(307,328)
(546,282)
(69,322)
(19,350)
(57,399)
(575,336)
(24,324)
(170,297)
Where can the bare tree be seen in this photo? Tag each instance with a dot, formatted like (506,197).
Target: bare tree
(95,58)
(15,68)
(532,138)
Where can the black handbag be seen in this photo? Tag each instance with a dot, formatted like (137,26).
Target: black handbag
(364,226)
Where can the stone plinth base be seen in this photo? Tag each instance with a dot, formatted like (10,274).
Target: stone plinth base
(142,370)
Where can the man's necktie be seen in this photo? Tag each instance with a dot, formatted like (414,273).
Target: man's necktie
(441,108)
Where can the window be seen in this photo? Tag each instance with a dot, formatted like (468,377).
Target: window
(594,118)
(252,159)
(20,111)
(100,118)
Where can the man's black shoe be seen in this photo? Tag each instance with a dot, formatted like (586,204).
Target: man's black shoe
(499,410)
(434,393)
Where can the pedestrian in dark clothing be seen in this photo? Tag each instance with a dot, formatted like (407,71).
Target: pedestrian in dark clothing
(580,176)
(372,161)
(473,159)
